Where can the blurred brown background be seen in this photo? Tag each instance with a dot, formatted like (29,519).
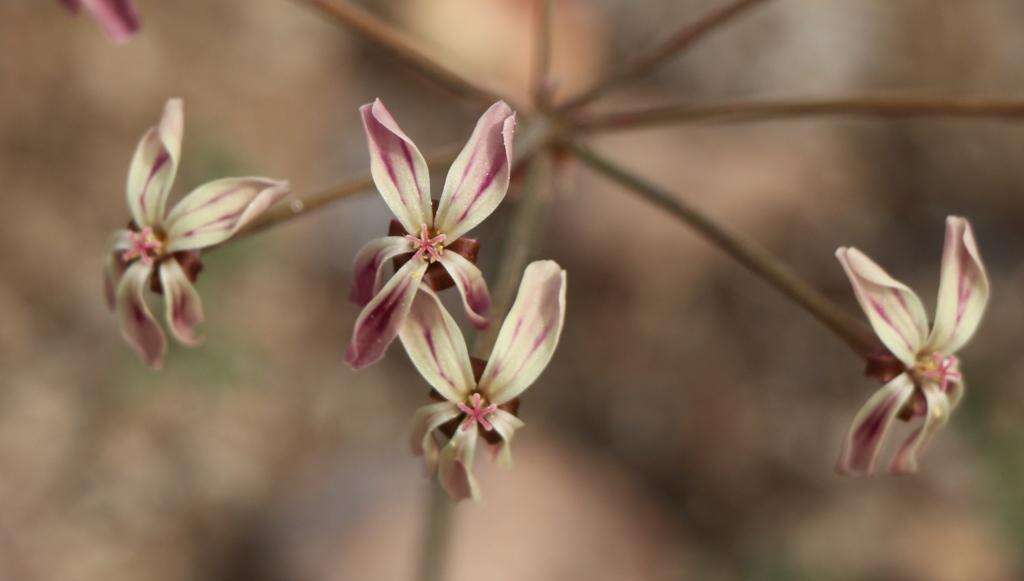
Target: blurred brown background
(687,427)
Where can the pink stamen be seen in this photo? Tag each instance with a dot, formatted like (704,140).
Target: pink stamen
(478,413)
(427,248)
(946,370)
(144,245)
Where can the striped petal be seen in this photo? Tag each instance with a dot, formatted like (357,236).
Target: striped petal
(870,426)
(138,326)
(184,309)
(154,166)
(214,212)
(455,469)
(479,177)
(114,267)
(472,286)
(939,407)
(436,347)
(895,312)
(422,441)
(963,289)
(506,425)
(369,263)
(398,168)
(378,324)
(117,17)
(529,335)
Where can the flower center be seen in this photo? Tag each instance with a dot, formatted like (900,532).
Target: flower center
(939,368)
(478,413)
(145,245)
(428,248)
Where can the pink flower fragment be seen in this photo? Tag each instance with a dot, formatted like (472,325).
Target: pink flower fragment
(117,17)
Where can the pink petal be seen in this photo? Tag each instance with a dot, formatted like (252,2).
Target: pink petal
(398,168)
(963,289)
(472,286)
(905,460)
(479,177)
(436,347)
(154,166)
(529,335)
(181,301)
(378,323)
(870,426)
(422,440)
(895,312)
(118,17)
(368,266)
(216,211)
(455,469)
(138,326)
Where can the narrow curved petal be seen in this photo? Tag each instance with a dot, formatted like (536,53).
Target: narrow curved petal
(398,168)
(113,267)
(455,468)
(963,289)
(895,312)
(117,17)
(422,440)
(436,347)
(214,212)
(506,425)
(367,268)
(379,322)
(184,308)
(529,335)
(138,326)
(154,166)
(905,460)
(870,426)
(472,286)
(479,177)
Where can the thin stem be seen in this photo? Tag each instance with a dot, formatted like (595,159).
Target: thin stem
(764,111)
(437,534)
(673,45)
(379,32)
(541,82)
(750,254)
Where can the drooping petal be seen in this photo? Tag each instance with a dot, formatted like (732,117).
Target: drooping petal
(963,289)
(506,425)
(436,347)
(479,177)
(427,419)
(214,212)
(138,326)
(113,267)
(455,469)
(118,17)
(870,426)
(184,308)
(378,323)
(154,166)
(894,310)
(472,286)
(529,335)
(398,168)
(905,459)
(367,269)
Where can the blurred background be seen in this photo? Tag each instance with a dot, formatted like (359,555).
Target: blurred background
(689,423)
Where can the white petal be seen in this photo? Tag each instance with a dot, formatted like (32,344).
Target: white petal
(455,468)
(963,289)
(369,263)
(113,268)
(428,418)
(870,426)
(184,308)
(379,322)
(436,347)
(506,425)
(905,460)
(154,166)
(214,212)
(138,326)
(476,300)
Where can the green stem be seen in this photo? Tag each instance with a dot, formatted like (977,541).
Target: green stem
(437,534)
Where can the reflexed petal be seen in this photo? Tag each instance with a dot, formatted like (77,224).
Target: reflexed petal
(529,335)
(366,271)
(436,347)
(378,323)
(398,168)
(118,17)
(138,326)
(113,268)
(455,469)
(479,177)
(427,419)
(472,286)
(963,289)
(154,165)
(894,310)
(214,212)
(870,426)
(506,425)
(181,301)
(905,460)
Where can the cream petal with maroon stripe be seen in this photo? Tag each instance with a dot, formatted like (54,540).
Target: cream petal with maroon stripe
(184,308)
(963,289)
(506,425)
(368,265)
(214,212)
(422,440)
(905,459)
(120,241)
(379,322)
(472,286)
(398,168)
(117,17)
(436,347)
(137,323)
(870,426)
(455,468)
(154,166)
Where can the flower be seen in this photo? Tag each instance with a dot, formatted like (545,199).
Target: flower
(931,385)
(476,184)
(168,242)
(481,405)
(118,17)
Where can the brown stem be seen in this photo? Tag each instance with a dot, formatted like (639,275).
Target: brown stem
(541,82)
(678,42)
(750,254)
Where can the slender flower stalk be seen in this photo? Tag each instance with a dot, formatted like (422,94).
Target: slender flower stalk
(540,83)
(117,17)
